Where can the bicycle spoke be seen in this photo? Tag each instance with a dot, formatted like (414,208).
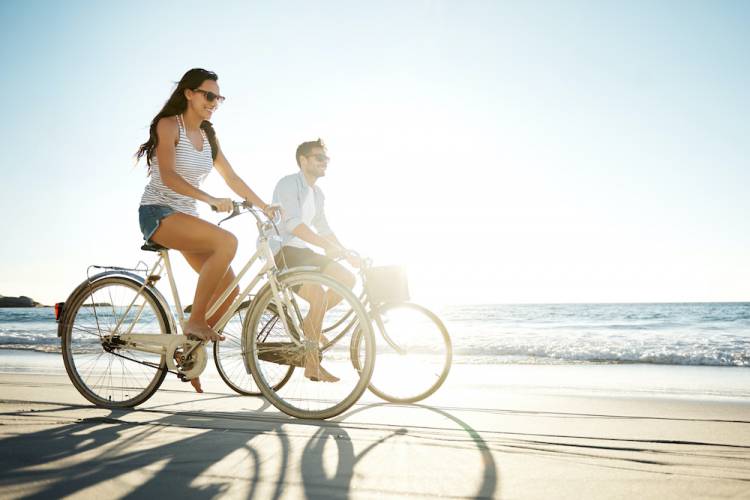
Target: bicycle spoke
(413,350)
(117,375)
(302,396)
(230,354)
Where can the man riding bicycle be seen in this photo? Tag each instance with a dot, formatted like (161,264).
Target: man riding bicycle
(304,224)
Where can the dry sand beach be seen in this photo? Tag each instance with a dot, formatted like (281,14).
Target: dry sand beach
(505,431)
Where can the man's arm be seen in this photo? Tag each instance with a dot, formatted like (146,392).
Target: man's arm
(327,242)
(320,223)
(324,230)
(286,194)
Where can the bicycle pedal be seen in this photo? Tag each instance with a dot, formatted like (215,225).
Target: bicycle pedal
(188,353)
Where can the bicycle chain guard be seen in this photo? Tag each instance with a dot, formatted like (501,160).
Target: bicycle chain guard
(193,365)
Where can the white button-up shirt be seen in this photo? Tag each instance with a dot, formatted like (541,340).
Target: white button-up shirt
(302,204)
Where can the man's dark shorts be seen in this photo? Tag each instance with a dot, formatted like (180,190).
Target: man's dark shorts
(289,257)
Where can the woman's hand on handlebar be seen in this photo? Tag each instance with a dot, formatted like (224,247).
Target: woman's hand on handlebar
(221,204)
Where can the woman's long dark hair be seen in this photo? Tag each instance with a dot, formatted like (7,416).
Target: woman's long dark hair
(175,105)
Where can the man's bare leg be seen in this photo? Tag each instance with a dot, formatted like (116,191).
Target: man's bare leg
(343,276)
(311,327)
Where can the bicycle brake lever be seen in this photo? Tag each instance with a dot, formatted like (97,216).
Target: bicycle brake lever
(235,213)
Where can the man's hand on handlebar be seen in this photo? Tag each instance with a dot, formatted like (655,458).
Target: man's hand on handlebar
(354,260)
(273,210)
(337,252)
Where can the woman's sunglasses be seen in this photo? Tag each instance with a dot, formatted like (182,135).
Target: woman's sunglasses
(210,96)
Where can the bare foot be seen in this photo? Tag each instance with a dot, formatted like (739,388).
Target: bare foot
(317,373)
(196,383)
(203,332)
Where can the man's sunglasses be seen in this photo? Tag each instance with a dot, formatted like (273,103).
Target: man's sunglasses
(210,96)
(319,157)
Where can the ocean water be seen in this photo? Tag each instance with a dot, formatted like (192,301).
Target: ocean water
(709,334)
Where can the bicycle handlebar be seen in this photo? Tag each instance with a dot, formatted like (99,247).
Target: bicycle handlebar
(365,262)
(237,206)
(237,209)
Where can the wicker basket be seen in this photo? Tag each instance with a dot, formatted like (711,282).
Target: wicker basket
(386,284)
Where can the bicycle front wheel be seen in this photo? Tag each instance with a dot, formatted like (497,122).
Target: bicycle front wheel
(229,355)
(104,370)
(414,352)
(272,352)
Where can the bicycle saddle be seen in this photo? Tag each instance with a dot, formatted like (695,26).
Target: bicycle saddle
(152,247)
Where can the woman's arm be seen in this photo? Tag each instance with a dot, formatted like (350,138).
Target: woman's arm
(234,181)
(168,135)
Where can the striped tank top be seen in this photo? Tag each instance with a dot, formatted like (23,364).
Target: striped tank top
(191,164)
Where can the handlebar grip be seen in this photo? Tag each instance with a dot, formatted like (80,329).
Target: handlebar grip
(236,205)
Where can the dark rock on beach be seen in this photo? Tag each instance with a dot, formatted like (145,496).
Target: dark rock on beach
(21,301)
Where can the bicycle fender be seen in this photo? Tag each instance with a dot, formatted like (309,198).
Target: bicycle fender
(120,273)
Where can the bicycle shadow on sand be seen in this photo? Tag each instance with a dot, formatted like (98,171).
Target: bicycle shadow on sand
(321,483)
(70,459)
(149,458)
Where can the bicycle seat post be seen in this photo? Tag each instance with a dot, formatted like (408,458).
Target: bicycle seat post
(164,255)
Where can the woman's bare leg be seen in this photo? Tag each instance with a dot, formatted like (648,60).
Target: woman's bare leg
(196,261)
(190,234)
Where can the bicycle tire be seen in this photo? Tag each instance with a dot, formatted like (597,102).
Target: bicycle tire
(105,373)
(423,366)
(300,397)
(229,355)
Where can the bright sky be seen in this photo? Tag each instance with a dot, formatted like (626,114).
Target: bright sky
(503,151)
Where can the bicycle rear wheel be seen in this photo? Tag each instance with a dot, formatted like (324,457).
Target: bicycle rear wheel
(229,355)
(104,370)
(414,352)
(274,351)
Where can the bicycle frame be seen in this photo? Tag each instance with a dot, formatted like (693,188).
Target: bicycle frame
(372,312)
(168,343)
(118,353)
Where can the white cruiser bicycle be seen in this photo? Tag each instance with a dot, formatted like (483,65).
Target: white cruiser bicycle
(119,335)
(413,346)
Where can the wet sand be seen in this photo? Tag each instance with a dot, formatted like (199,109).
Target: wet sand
(606,431)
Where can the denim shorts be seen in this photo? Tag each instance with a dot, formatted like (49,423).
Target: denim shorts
(150,216)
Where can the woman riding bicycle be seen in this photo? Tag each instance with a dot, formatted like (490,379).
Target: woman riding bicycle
(181,150)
